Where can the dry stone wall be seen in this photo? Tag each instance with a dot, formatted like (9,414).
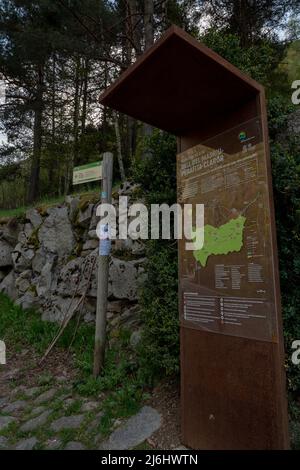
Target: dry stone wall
(48,260)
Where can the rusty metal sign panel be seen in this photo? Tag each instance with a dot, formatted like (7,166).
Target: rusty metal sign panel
(227,285)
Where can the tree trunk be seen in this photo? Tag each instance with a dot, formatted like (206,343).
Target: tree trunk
(135,34)
(84,96)
(119,148)
(52,163)
(135,26)
(148,23)
(75,151)
(149,39)
(37,140)
(76,112)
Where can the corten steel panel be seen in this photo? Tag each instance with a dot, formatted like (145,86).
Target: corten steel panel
(230,393)
(168,85)
(233,387)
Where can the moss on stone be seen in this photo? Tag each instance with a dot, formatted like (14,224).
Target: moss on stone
(34,238)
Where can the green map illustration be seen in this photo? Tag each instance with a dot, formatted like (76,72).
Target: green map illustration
(221,240)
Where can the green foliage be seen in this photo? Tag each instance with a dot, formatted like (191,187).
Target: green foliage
(18,327)
(279,111)
(285,154)
(291,63)
(258,60)
(157,174)
(286,177)
(159,349)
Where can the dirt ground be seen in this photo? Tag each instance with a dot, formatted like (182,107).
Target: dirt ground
(165,398)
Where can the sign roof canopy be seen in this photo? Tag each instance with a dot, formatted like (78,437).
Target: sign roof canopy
(179,84)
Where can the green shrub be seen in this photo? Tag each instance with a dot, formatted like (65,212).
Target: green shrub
(159,349)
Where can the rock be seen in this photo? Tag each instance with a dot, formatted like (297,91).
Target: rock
(25,233)
(123,245)
(138,248)
(62,378)
(8,287)
(123,278)
(73,445)
(136,430)
(30,392)
(89,406)
(53,444)
(10,231)
(38,260)
(89,317)
(115,306)
(94,219)
(135,338)
(27,274)
(74,276)
(55,234)
(15,406)
(85,216)
(22,284)
(73,207)
(90,244)
(26,444)
(34,217)
(5,254)
(96,422)
(70,277)
(129,318)
(67,422)
(2,276)
(3,402)
(5,421)
(4,445)
(45,280)
(68,402)
(56,308)
(22,257)
(93,234)
(46,396)
(34,423)
(28,301)
(37,411)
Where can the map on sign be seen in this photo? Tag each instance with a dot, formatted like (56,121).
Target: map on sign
(226,285)
(221,240)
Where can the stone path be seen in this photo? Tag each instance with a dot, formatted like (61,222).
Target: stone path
(136,430)
(53,416)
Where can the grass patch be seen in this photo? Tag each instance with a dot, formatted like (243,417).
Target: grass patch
(86,195)
(45,203)
(73,408)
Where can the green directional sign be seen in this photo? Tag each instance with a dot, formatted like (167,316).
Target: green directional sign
(87,173)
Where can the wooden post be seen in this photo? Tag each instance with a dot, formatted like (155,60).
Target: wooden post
(103,271)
